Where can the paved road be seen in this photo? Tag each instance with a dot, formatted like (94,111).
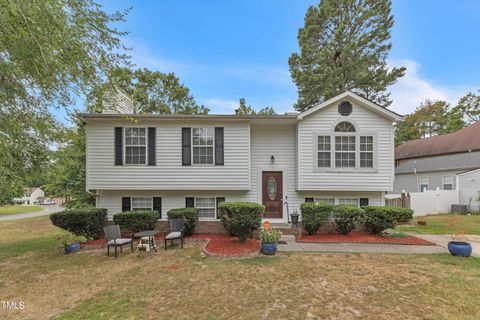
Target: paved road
(48,210)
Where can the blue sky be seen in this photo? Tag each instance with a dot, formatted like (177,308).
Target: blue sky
(224,50)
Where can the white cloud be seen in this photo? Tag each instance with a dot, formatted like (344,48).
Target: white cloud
(412,89)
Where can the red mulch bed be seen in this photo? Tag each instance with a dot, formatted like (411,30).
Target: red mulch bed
(218,245)
(361,237)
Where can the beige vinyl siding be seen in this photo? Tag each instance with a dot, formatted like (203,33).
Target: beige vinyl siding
(469,188)
(367,123)
(168,174)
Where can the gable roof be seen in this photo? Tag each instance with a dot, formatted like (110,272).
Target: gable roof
(463,140)
(348,95)
(459,161)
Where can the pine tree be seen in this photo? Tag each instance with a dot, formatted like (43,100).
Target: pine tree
(343,46)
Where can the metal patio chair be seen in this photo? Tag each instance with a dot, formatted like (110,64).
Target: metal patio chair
(176,232)
(114,239)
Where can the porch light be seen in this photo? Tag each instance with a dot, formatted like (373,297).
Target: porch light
(272,159)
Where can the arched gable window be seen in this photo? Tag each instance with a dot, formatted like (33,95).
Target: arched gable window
(344,126)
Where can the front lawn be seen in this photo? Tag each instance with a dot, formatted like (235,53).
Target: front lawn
(183,284)
(439,224)
(5,210)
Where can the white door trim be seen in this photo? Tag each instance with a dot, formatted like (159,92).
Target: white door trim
(284,171)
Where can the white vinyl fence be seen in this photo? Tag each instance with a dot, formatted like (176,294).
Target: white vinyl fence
(428,201)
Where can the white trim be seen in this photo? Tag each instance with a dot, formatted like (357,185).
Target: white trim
(284,171)
(215,207)
(357,168)
(420,183)
(358,99)
(124,133)
(468,172)
(213,147)
(443,181)
(140,197)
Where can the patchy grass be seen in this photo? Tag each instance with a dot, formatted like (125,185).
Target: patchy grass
(5,210)
(184,284)
(439,224)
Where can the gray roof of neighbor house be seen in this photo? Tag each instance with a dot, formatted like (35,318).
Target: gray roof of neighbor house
(459,161)
(463,140)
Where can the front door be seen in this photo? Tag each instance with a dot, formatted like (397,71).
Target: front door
(272,193)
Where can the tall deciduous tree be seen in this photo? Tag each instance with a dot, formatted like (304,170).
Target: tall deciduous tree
(431,118)
(150,91)
(343,46)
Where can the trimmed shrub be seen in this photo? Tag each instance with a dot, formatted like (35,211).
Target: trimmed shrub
(379,219)
(403,215)
(346,218)
(88,223)
(315,215)
(241,218)
(190,215)
(136,221)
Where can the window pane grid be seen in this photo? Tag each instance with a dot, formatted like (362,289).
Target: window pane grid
(348,201)
(324,151)
(327,200)
(206,207)
(202,144)
(135,146)
(448,183)
(141,204)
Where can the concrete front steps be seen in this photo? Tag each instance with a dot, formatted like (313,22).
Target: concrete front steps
(286,228)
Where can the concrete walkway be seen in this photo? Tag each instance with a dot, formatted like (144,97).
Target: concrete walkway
(48,210)
(293,246)
(443,239)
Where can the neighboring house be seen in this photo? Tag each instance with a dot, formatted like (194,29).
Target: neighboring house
(437,162)
(340,151)
(30,196)
(470,188)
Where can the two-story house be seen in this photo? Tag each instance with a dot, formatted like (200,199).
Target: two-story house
(340,151)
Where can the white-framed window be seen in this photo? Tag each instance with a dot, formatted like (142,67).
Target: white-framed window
(423,183)
(349,201)
(135,145)
(324,150)
(366,151)
(447,182)
(345,153)
(326,200)
(203,145)
(142,204)
(207,208)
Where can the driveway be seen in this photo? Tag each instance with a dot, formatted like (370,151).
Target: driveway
(48,210)
(443,239)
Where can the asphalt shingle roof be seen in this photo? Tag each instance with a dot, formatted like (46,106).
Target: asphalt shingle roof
(463,140)
(459,161)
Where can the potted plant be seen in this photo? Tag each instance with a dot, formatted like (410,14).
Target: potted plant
(457,247)
(269,239)
(69,241)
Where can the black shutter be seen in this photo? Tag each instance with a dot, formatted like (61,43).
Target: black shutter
(152,147)
(219,146)
(157,206)
(190,202)
(363,202)
(186,149)
(118,146)
(219,200)
(126,206)
(309,200)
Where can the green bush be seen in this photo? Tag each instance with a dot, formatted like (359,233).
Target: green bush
(136,221)
(346,218)
(88,223)
(379,219)
(241,218)
(190,216)
(315,215)
(270,236)
(403,215)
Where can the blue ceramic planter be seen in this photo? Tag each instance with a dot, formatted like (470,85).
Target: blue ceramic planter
(458,248)
(269,248)
(69,248)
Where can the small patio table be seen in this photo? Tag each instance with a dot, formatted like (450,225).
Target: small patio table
(151,238)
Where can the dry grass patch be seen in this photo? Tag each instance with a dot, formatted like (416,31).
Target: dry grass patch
(183,284)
